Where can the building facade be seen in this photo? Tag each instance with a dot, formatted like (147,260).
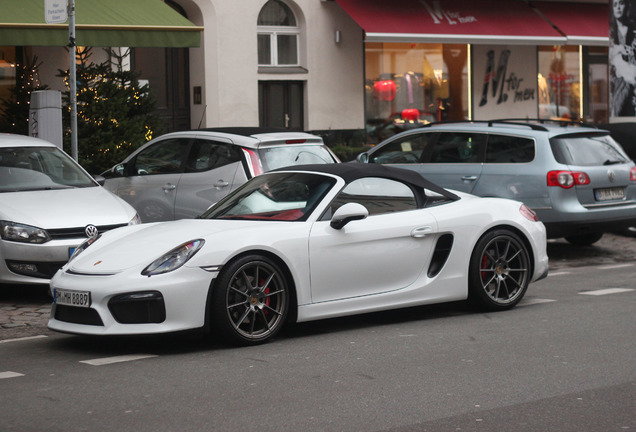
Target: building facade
(371,66)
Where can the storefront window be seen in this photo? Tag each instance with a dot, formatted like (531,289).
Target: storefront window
(409,84)
(559,83)
(595,73)
(7,71)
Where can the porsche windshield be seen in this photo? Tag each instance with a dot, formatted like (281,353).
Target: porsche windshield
(275,196)
(39,168)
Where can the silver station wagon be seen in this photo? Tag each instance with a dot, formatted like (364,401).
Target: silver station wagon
(577,179)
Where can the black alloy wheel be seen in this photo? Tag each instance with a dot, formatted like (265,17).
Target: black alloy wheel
(500,271)
(250,301)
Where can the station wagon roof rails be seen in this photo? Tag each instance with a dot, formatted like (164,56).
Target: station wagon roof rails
(562,123)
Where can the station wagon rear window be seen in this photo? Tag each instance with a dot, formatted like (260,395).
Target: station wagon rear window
(587,150)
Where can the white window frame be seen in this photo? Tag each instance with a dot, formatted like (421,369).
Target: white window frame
(273,33)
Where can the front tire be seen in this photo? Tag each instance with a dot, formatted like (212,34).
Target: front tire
(499,271)
(250,301)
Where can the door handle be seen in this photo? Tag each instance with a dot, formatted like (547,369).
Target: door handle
(420,232)
(469,178)
(220,184)
(168,187)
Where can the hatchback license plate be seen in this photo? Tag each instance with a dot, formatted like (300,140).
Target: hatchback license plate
(609,194)
(72,298)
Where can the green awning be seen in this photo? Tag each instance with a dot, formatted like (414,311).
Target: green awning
(99,23)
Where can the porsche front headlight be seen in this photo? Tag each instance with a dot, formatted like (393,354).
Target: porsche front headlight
(17,232)
(82,247)
(173,259)
(136,220)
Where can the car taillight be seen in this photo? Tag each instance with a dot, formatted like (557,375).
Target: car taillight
(253,162)
(567,179)
(528,213)
(632,174)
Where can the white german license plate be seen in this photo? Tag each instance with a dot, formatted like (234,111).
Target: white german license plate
(609,194)
(72,298)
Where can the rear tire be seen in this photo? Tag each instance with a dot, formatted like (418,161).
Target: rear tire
(250,301)
(499,272)
(584,239)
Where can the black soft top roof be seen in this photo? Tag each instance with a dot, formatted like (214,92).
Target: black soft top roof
(353,171)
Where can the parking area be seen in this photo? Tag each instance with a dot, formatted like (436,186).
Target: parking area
(24,310)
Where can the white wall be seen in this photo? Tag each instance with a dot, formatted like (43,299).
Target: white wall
(336,86)
(225,66)
(334,91)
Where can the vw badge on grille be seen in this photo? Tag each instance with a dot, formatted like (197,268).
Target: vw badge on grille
(611,175)
(90,231)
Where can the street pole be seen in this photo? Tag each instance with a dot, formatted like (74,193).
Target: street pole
(72,78)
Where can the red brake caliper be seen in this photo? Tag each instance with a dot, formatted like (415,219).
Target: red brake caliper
(267,300)
(484,263)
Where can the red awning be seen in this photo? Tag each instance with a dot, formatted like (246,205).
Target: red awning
(582,23)
(452,21)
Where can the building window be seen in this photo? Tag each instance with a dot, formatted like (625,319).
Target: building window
(559,83)
(278,35)
(7,72)
(409,85)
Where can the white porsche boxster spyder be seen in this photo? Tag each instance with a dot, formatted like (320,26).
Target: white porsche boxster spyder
(300,244)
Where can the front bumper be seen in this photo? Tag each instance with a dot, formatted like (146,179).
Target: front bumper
(132,304)
(25,263)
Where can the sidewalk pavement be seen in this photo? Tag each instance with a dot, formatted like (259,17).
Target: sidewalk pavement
(24,315)
(24,311)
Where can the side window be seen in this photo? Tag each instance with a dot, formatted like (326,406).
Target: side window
(404,150)
(207,155)
(458,147)
(378,195)
(164,157)
(509,149)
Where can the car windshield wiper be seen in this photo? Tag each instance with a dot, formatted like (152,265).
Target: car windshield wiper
(612,162)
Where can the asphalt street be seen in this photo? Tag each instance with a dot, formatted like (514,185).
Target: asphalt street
(563,360)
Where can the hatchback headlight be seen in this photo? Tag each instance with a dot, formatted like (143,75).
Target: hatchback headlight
(173,259)
(17,232)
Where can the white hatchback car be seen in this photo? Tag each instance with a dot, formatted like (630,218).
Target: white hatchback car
(48,206)
(181,174)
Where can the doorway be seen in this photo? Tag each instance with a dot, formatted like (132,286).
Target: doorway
(167,73)
(280,104)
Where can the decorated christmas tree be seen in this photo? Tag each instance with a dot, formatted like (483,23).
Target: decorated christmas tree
(14,111)
(115,114)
